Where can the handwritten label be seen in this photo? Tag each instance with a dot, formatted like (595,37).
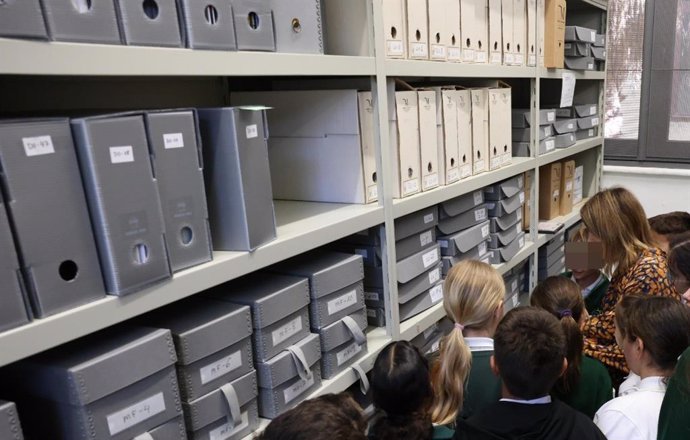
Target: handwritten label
(515,300)
(434,276)
(220,367)
(373,193)
(420,50)
(285,332)
(480,214)
(482,249)
(595,121)
(465,171)
(298,388)
(426,238)
(593,36)
(428,218)
(550,144)
(478,197)
(430,258)
(431,180)
(135,414)
(468,55)
(590,133)
(495,163)
(453,175)
(436,293)
(347,353)
(342,302)
(481,57)
(371,296)
(395,47)
(495,58)
(550,116)
(438,51)
(121,154)
(479,166)
(173,140)
(411,186)
(522,198)
(226,430)
(485,231)
(38,146)
(454,53)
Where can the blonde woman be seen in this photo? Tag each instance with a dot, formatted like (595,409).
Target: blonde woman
(615,218)
(473,295)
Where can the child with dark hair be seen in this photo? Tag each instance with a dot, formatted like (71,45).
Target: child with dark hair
(329,417)
(586,384)
(401,390)
(679,265)
(652,332)
(665,226)
(529,356)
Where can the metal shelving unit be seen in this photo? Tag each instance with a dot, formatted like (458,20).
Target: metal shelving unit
(561,154)
(579,74)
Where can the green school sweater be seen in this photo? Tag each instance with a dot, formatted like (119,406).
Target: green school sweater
(593,300)
(483,387)
(592,392)
(674,419)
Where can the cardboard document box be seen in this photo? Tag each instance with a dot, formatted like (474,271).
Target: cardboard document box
(464,241)
(447,134)
(342,357)
(567,181)
(253,21)
(586,134)
(213,342)
(554,33)
(279,309)
(505,189)
(343,331)
(13,312)
(577,184)
(123,201)
(547,145)
(23,19)
(565,140)
(175,149)
(507,19)
(550,191)
(451,225)
(404,135)
(507,253)
(417,29)
(238,178)
(575,49)
(228,412)
(273,402)
(46,206)
(532,32)
(148,24)
(413,266)
(495,32)
(422,302)
(465,133)
(580,34)
(208,25)
(580,63)
(500,141)
(562,126)
(417,285)
(506,206)
(368,145)
(298,26)
(474,21)
(499,224)
(326,310)
(501,239)
(461,204)
(480,130)
(90,388)
(76,21)
(10,428)
(415,223)
(428,141)
(520,32)
(452,17)
(478,253)
(395,25)
(438,38)
(541,23)
(588,122)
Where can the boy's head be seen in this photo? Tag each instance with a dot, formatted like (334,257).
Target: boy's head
(583,274)
(529,352)
(664,226)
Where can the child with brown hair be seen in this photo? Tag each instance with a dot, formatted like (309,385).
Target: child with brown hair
(592,282)
(665,226)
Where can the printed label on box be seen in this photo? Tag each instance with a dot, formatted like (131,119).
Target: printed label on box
(342,302)
(482,248)
(480,214)
(290,329)
(173,140)
(508,58)
(38,146)
(479,165)
(453,175)
(373,193)
(454,53)
(532,60)
(252,131)
(495,57)
(371,296)
(522,198)
(347,353)
(121,154)
(434,276)
(590,133)
(481,57)
(436,293)
(465,171)
(135,414)
(468,54)
(438,51)
(590,66)
(485,231)
(426,238)
(221,367)
(556,193)
(430,258)
(478,197)
(593,35)
(411,186)
(227,430)
(431,180)
(593,109)
(298,388)
(550,117)
(395,47)
(495,162)
(550,144)
(428,218)
(420,50)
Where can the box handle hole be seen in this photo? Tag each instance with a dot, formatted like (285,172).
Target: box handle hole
(68,270)
(82,6)
(418,35)
(186,235)
(430,167)
(394,32)
(495,45)
(151,9)
(438,37)
(410,172)
(452,40)
(211,14)
(373,177)
(518,48)
(464,158)
(253,20)
(468,42)
(141,253)
(452,161)
(296,26)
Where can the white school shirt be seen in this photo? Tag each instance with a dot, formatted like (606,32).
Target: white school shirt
(480,343)
(634,416)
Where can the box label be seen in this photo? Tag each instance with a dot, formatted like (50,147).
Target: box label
(252,131)
(479,165)
(514,285)
(495,162)
(226,430)
(373,193)
(468,55)
(426,238)
(342,302)
(481,57)
(550,117)
(434,276)
(595,121)
(420,50)
(411,186)
(522,198)
(590,133)
(431,180)
(221,367)
(550,144)
(121,154)
(593,110)
(436,293)
(430,258)
(38,146)
(478,197)
(290,329)
(485,231)
(482,249)
(465,171)
(569,186)
(495,58)
(298,388)
(519,59)
(371,313)
(135,414)
(454,53)
(507,158)
(347,353)
(515,300)
(480,214)
(508,58)
(532,60)
(428,218)
(521,242)
(453,175)
(438,51)
(395,47)
(371,296)
(173,140)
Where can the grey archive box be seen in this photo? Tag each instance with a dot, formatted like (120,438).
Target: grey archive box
(414,243)
(578,111)
(501,239)
(575,49)
(149,23)
(461,204)
(176,151)
(253,21)
(85,22)
(23,19)
(288,364)
(89,389)
(419,284)
(328,309)
(500,208)
(213,342)
(280,316)
(599,53)
(13,311)
(451,225)
(521,149)
(415,223)
(173,429)
(342,357)
(298,26)
(505,189)
(565,125)
(229,412)
(123,201)
(463,241)
(376,317)
(47,208)
(273,402)
(10,427)
(586,134)
(588,122)
(422,302)
(340,333)
(556,243)
(565,140)
(414,265)
(520,118)
(580,63)
(555,269)
(547,260)
(238,178)
(208,24)
(524,134)
(547,145)
(600,40)
(499,224)
(581,34)
(478,253)
(507,253)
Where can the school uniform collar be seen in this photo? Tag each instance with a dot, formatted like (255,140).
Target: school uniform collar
(587,290)
(480,343)
(537,401)
(653,383)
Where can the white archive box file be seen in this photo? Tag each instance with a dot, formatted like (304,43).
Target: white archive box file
(447,134)
(519,32)
(480,30)
(507,23)
(438,33)
(495,32)
(480,130)
(395,26)
(404,135)
(452,14)
(428,142)
(500,138)
(464,108)
(532,32)
(473,17)
(541,22)
(417,29)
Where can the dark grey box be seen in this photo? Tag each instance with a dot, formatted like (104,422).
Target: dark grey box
(565,125)
(13,311)
(328,309)
(550,259)
(599,53)
(580,63)
(506,206)
(547,145)
(555,269)
(504,238)
(479,253)
(47,208)
(339,332)
(422,302)
(173,429)
(432,335)
(416,264)
(507,253)
(521,149)
(565,140)
(208,24)
(340,358)
(85,22)
(114,385)
(499,224)
(600,40)
(253,25)
(524,134)
(123,201)
(588,122)
(238,178)
(274,402)
(289,363)
(451,225)
(298,26)
(579,111)
(463,241)
(23,19)
(586,134)
(579,33)
(557,242)
(521,117)
(147,23)
(419,284)
(376,317)
(416,222)
(506,189)
(461,204)
(10,428)
(227,412)
(213,342)
(176,151)
(414,243)
(575,49)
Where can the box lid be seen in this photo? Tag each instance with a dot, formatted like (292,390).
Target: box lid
(505,189)
(289,363)
(579,33)
(416,222)
(565,125)
(508,252)
(203,326)
(506,237)
(451,225)
(469,238)
(507,220)
(416,264)
(510,204)
(419,284)
(461,204)
(339,332)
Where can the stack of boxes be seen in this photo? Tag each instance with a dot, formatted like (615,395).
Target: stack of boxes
(552,257)
(564,129)
(512,282)
(586,116)
(429,341)
(505,202)
(584,48)
(522,132)
(556,189)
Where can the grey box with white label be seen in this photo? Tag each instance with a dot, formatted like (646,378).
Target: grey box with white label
(342,357)
(22,19)
(339,333)
(501,239)
(328,309)
(415,223)
(566,140)
(508,252)
(208,24)
(506,206)
(273,402)
(463,241)
(565,125)
(460,205)
(422,302)
(289,363)
(479,253)
(82,21)
(149,23)
(461,222)
(415,265)
(499,224)
(505,189)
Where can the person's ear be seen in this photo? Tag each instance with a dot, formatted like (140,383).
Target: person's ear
(564,367)
(498,313)
(639,346)
(494,366)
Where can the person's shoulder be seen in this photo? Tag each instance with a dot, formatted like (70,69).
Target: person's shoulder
(651,257)
(585,427)
(593,365)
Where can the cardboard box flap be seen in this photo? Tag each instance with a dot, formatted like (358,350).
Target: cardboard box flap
(503,190)
(520,118)
(214,406)
(203,326)
(599,53)
(284,366)
(339,333)
(469,238)
(451,225)
(459,205)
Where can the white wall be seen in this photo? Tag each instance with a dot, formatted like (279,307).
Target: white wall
(660,190)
